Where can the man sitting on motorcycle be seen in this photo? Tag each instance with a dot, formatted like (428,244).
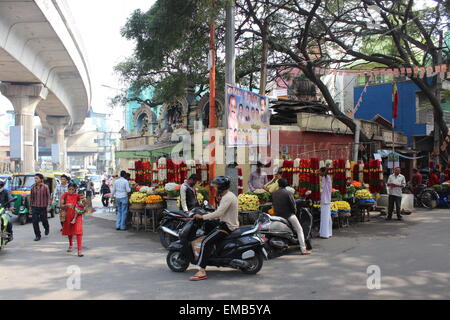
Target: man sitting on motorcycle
(7,201)
(285,207)
(227,212)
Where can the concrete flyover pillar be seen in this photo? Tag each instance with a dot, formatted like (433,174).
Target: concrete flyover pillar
(59,125)
(25,98)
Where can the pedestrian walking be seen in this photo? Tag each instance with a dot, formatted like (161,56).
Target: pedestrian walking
(396,183)
(73,224)
(120,191)
(326,224)
(40,205)
(104,190)
(59,191)
(90,193)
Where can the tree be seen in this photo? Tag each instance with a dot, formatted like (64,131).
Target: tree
(317,33)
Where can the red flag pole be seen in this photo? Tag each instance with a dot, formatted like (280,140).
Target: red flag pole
(212,109)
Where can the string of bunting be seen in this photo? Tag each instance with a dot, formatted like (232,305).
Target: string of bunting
(418,71)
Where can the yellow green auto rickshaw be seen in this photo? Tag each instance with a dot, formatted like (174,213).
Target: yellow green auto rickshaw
(21,189)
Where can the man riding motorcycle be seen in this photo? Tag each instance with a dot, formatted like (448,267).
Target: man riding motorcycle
(7,201)
(228,214)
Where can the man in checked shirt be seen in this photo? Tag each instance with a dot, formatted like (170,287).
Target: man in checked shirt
(40,201)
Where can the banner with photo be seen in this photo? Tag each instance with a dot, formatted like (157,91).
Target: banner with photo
(248,118)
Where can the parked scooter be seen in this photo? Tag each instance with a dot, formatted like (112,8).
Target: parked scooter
(243,249)
(173,221)
(423,196)
(4,222)
(281,235)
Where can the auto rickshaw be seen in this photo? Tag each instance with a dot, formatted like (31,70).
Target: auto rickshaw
(7,179)
(21,189)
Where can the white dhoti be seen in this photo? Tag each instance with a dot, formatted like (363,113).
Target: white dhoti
(326,224)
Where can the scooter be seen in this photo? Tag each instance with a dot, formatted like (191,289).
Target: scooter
(423,196)
(243,249)
(280,235)
(4,222)
(173,221)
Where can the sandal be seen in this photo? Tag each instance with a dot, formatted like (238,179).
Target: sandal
(70,249)
(197,278)
(80,254)
(305,253)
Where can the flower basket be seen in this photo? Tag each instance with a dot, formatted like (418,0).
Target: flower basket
(137,206)
(151,206)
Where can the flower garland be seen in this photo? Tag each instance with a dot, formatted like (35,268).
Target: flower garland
(304,176)
(361,172)
(240,182)
(296,174)
(315,179)
(162,170)
(155,174)
(287,169)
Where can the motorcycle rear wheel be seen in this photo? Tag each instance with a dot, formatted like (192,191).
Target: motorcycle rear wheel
(176,261)
(256,264)
(427,200)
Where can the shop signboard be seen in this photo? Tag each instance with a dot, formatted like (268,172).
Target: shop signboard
(393,161)
(248,118)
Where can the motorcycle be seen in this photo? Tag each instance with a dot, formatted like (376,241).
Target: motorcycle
(243,249)
(280,235)
(4,222)
(423,196)
(173,221)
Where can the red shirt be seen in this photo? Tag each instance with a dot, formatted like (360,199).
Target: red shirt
(434,179)
(417,179)
(40,196)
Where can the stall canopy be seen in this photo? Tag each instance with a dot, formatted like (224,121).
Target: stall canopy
(146,152)
(385,153)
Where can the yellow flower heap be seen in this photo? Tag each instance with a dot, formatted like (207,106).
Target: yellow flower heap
(363,194)
(138,197)
(248,202)
(342,205)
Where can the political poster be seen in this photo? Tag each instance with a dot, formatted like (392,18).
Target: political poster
(248,118)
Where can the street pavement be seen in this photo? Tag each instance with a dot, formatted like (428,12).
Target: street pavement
(413,259)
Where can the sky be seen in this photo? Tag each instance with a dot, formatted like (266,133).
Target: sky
(99,23)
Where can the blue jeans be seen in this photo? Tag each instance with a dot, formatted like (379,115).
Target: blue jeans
(122,213)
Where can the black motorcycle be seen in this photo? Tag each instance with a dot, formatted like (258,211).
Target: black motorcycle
(243,249)
(280,235)
(4,222)
(173,221)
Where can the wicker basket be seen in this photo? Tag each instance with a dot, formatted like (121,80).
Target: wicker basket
(137,206)
(159,205)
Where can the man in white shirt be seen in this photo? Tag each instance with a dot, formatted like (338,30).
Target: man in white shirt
(120,192)
(396,183)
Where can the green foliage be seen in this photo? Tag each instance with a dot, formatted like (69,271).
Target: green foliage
(171,52)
